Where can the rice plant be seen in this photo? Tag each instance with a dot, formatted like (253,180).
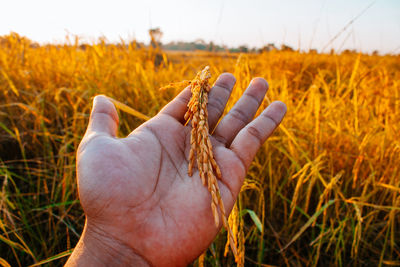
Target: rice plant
(323,190)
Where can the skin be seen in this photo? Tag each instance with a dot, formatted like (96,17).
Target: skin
(141,207)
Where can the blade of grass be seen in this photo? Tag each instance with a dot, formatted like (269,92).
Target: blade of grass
(307,224)
(52,258)
(4,263)
(254,217)
(128,109)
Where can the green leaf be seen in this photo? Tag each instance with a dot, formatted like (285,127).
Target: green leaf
(66,203)
(13,244)
(308,223)
(55,257)
(255,219)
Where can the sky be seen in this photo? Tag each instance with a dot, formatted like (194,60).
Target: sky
(302,24)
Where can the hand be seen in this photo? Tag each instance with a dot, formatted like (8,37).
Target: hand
(141,206)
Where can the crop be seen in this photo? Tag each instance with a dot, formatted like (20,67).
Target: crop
(201,148)
(323,190)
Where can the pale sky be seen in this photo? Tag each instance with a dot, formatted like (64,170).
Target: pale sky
(301,24)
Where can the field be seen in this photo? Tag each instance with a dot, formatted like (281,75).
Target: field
(323,190)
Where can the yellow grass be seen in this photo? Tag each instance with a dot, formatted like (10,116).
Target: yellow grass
(324,189)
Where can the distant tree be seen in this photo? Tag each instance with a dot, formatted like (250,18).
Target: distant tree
(199,44)
(211,47)
(155,42)
(155,37)
(349,51)
(196,45)
(243,49)
(286,48)
(267,48)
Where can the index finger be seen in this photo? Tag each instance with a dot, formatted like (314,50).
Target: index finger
(178,106)
(219,95)
(251,137)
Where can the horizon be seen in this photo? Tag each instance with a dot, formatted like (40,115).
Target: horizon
(220,48)
(364,26)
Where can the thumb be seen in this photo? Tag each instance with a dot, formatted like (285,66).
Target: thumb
(104,117)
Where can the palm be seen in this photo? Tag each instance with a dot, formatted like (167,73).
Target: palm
(137,190)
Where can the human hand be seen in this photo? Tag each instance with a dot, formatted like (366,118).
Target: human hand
(141,206)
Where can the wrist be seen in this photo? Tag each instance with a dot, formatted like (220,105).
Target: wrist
(95,248)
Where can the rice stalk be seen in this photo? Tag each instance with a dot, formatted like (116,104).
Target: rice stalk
(201,150)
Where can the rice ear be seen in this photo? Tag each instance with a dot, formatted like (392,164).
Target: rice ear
(201,149)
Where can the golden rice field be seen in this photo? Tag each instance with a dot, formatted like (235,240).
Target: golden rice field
(323,191)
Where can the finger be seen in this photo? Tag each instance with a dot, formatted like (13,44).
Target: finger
(178,106)
(242,113)
(104,117)
(218,97)
(251,137)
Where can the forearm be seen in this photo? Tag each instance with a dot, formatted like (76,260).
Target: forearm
(96,249)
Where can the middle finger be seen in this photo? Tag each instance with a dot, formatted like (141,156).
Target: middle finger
(242,113)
